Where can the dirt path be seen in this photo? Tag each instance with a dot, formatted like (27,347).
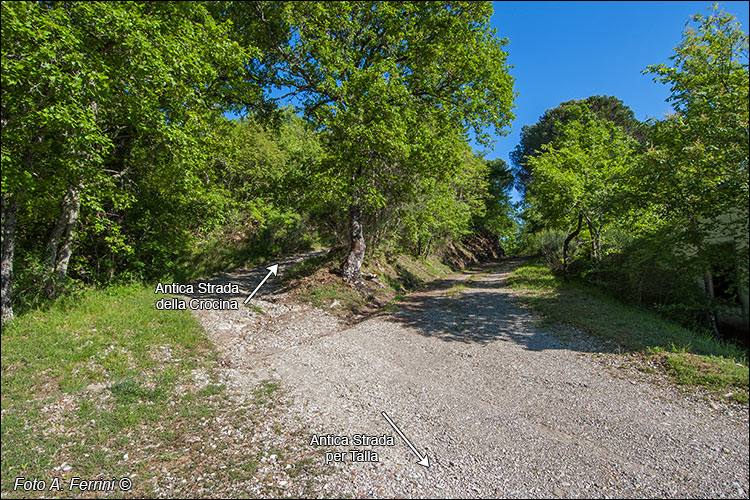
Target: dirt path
(502,407)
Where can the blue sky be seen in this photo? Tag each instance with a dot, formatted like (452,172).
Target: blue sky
(572,50)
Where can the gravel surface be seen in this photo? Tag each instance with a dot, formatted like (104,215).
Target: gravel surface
(502,407)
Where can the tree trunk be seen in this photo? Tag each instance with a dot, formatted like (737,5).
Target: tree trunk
(565,246)
(596,238)
(60,245)
(50,258)
(708,285)
(9,216)
(353,263)
(708,282)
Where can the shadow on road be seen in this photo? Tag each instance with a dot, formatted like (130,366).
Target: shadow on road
(477,311)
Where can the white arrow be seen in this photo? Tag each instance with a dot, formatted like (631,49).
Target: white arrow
(424,461)
(271,270)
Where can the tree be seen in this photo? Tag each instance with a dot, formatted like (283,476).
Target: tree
(265,171)
(544,131)
(99,100)
(437,208)
(393,88)
(498,220)
(697,168)
(577,178)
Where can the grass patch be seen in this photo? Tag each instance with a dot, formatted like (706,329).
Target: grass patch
(718,373)
(243,245)
(109,335)
(328,294)
(255,309)
(318,282)
(107,386)
(265,391)
(690,357)
(456,290)
(405,274)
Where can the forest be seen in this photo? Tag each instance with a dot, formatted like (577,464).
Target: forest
(141,137)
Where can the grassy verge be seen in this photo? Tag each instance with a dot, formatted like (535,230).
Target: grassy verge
(689,357)
(107,386)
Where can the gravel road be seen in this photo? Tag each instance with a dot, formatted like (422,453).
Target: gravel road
(501,406)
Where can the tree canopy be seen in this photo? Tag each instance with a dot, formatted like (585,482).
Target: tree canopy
(696,172)
(546,129)
(665,201)
(393,87)
(100,116)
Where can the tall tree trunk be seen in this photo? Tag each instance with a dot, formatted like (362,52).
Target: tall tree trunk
(594,242)
(60,245)
(9,221)
(567,243)
(708,286)
(9,217)
(708,282)
(353,263)
(53,243)
(596,239)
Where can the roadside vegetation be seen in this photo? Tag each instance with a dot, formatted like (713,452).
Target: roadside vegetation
(144,141)
(655,212)
(692,357)
(103,385)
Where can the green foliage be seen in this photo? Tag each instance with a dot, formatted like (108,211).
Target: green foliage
(121,105)
(696,173)
(392,87)
(550,244)
(97,102)
(669,213)
(499,217)
(649,270)
(580,177)
(442,208)
(547,128)
(580,172)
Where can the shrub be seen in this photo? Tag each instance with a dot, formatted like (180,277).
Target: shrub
(550,244)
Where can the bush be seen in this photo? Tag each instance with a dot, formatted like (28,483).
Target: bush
(549,243)
(646,270)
